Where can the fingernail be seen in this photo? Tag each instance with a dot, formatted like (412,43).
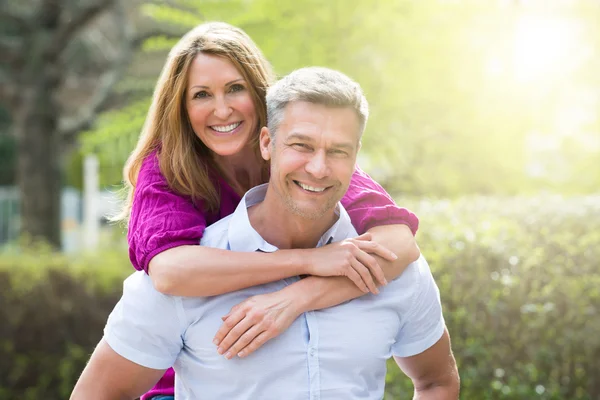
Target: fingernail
(228,355)
(220,350)
(241,354)
(385,282)
(394,256)
(215,341)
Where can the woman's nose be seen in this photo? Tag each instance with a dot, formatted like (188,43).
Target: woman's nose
(222,109)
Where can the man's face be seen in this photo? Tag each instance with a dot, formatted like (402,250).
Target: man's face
(313,157)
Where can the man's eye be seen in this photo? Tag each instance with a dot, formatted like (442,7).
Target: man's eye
(236,88)
(201,94)
(300,146)
(340,153)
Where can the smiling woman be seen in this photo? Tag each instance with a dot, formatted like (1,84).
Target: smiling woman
(219,106)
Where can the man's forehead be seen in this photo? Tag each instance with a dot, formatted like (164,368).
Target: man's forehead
(304,120)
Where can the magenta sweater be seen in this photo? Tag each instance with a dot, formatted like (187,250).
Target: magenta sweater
(162,219)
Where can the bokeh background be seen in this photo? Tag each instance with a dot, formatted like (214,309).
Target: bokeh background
(485,121)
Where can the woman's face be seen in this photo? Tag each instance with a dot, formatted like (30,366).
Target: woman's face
(219,105)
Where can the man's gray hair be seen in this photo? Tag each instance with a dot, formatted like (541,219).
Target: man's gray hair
(315,85)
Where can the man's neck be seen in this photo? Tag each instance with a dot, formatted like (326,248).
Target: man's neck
(284,230)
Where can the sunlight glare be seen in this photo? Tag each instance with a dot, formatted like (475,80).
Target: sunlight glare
(543,47)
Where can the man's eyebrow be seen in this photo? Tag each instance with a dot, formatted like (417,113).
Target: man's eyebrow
(299,136)
(344,146)
(339,145)
(227,84)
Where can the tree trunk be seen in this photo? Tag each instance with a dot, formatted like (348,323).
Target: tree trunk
(38,165)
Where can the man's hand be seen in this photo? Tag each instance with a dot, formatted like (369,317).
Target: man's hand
(352,258)
(253,322)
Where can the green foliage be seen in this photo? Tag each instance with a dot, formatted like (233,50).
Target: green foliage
(519,280)
(53,309)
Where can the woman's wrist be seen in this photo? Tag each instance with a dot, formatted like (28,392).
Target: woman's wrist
(301,298)
(300,261)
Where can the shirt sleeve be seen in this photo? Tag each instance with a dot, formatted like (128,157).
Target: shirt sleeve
(160,218)
(423,325)
(146,326)
(369,205)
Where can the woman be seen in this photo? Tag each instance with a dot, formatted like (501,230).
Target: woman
(197,155)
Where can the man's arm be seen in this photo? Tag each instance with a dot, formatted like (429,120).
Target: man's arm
(433,372)
(108,376)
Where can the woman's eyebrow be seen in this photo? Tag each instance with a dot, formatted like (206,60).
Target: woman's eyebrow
(227,84)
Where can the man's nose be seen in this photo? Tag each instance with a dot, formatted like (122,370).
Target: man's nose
(222,108)
(317,165)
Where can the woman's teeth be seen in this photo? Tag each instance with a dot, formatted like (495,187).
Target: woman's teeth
(226,128)
(310,188)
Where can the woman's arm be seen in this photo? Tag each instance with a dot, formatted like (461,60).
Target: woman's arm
(315,292)
(260,318)
(205,271)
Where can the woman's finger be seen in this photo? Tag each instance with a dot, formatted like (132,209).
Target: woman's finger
(228,324)
(244,340)
(258,341)
(355,277)
(234,334)
(365,275)
(364,237)
(371,263)
(377,249)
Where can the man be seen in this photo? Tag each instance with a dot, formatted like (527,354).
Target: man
(316,119)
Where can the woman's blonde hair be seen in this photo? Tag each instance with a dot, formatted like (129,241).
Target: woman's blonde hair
(184,160)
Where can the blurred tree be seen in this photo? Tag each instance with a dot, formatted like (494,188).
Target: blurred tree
(61,59)
(7,151)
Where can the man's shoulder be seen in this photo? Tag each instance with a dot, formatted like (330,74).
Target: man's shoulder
(139,285)
(413,279)
(215,234)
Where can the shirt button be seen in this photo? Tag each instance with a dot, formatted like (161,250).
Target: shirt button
(312,352)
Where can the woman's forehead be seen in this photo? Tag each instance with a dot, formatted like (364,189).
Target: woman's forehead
(211,70)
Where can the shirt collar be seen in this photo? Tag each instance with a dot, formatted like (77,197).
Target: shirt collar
(243,237)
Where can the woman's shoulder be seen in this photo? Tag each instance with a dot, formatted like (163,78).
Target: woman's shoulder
(150,167)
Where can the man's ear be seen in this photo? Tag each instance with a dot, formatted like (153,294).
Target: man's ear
(265,143)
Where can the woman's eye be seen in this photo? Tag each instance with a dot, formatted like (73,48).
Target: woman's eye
(201,94)
(236,88)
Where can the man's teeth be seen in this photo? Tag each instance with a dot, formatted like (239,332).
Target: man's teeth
(310,188)
(226,128)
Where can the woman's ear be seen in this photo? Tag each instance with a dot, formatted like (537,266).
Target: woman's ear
(265,143)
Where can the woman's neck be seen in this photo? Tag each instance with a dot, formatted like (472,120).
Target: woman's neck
(242,171)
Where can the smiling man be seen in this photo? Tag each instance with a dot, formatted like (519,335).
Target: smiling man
(316,119)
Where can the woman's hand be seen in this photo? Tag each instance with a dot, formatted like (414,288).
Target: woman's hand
(253,322)
(353,259)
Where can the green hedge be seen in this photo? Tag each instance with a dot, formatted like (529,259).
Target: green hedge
(53,310)
(520,285)
(519,280)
